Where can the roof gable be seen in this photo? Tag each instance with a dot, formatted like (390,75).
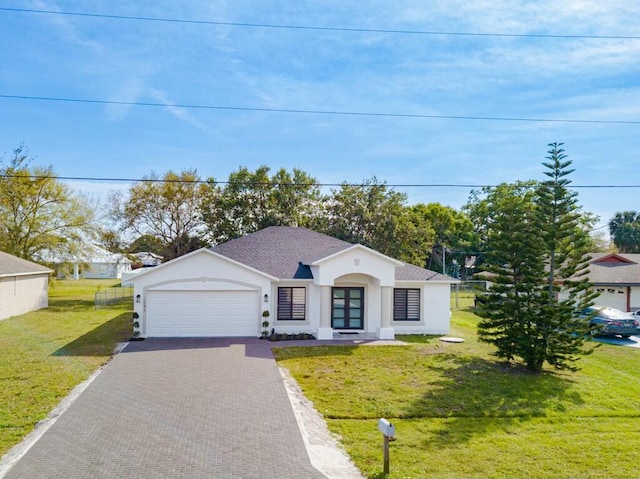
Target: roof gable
(354,247)
(186,257)
(613,258)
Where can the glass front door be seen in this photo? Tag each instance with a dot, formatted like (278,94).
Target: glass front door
(347,308)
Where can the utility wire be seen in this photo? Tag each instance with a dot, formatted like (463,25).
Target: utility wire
(257,183)
(317,28)
(317,112)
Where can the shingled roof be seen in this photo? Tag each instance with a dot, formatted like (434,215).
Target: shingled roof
(621,269)
(286,253)
(13,266)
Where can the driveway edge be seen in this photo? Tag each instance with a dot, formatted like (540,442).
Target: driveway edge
(16,452)
(325,454)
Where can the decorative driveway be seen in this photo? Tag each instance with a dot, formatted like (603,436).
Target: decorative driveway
(177,408)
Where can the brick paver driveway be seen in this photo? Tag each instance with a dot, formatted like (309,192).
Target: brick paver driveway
(206,408)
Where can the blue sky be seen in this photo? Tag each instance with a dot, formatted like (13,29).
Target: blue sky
(61,56)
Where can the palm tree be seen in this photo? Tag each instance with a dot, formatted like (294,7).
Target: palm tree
(624,228)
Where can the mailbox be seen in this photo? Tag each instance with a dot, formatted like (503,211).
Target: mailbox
(386,428)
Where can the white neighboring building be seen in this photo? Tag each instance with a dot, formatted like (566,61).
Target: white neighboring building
(24,286)
(93,262)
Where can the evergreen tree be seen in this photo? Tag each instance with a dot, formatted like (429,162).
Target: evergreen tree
(567,245)
(511,309)
(536,246)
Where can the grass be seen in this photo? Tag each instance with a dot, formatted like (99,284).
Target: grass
(44,354)
(461,414)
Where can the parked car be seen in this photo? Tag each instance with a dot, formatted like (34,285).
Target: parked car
(606,321)
(636,314)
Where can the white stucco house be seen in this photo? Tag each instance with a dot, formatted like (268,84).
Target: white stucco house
(307,281)
(24,286)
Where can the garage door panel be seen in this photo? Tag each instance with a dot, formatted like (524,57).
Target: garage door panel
(614,297)
(202,313)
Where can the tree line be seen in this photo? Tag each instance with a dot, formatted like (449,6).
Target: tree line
(184,212)
(173,213)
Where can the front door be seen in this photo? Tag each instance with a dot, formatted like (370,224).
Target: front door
(347,308)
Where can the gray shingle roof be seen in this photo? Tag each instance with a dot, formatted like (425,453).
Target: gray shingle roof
(409,272)
(285,252)
(12,265)
(279,250)
(615,273)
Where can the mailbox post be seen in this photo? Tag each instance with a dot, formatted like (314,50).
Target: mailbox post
(388,431)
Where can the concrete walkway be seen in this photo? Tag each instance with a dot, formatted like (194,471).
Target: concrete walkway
(177,408)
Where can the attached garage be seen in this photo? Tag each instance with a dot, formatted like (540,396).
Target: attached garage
(202,313)
(201,294)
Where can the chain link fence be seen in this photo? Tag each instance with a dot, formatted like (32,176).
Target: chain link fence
(463,294)
(108,296)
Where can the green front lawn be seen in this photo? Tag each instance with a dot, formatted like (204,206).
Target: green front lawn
(460,414)
(44,354)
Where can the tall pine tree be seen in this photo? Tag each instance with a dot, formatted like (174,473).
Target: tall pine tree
(567,246)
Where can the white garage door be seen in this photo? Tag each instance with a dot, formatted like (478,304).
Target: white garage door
(202,313)
(612,296)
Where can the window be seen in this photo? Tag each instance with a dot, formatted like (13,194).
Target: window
(406,304)
(292,304)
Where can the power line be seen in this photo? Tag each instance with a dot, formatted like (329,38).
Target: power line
(317,112)
(317,28)
(256,183)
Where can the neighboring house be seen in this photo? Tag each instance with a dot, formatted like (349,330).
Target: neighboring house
(309,282)
(616,277)
(93,262)
(24,286)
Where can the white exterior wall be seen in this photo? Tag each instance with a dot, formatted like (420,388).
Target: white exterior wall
(105,270)
(435,310)
(94,270)
(22,294)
